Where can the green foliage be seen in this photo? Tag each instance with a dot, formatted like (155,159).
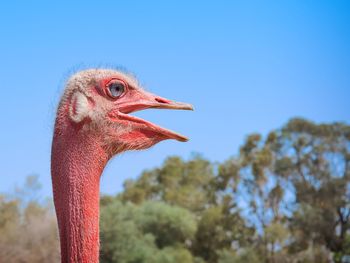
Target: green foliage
(152,232)
(319,170)
(213,221)
(245,255)
(186,184)
(218,228)
(170,225)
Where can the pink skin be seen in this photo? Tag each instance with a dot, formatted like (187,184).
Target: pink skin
(91,127)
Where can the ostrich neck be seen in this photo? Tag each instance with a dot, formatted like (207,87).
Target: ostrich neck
(76,166)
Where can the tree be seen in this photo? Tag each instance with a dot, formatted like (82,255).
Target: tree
(316,159)
(250,181)
(186,184)
(191,186)
(293,186)
(220,228)
(28,230)
(150,232)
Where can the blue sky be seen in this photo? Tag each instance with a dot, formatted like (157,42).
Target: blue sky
(247,66)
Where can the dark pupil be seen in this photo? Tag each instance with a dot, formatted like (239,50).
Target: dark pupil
(116,89)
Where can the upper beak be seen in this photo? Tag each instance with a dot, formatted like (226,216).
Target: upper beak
(148,100)
(162,103)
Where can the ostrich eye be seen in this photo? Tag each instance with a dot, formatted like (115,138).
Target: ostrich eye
(116,89)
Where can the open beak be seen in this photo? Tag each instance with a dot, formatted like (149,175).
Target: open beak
(146,100)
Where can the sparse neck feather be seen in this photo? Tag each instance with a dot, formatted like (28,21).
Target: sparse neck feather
(76,166)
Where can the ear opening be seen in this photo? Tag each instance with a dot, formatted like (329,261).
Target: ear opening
(79,107)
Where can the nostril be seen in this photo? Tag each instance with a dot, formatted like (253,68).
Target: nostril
(161,100)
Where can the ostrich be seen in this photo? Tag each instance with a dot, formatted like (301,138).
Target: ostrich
(92,125)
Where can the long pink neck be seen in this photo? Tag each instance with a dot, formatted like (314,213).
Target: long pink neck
(76,166)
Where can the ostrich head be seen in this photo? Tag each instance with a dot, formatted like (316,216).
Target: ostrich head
(98,102)
(93,123)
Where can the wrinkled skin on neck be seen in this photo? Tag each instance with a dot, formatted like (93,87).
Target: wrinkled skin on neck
(91,127)
(77,163)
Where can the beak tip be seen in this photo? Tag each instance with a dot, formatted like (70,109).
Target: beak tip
(183,139)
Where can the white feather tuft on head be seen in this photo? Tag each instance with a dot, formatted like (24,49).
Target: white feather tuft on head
(79,107)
